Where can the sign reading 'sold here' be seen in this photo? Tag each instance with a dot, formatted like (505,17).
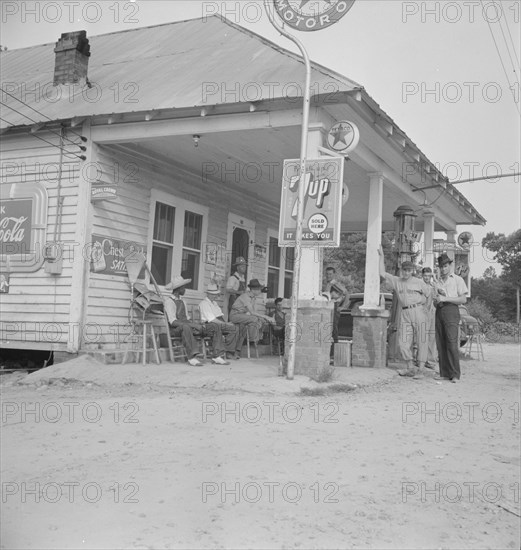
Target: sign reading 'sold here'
(15,226)
(323,185)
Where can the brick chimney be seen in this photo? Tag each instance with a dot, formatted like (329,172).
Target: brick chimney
(72,58)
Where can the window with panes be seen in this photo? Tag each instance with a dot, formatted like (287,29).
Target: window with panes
(168,246)
(280,270)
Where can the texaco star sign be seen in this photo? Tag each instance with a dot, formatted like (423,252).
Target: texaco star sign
(312,15)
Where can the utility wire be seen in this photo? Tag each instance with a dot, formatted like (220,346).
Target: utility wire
(514,67)
(512,41)
(499,54)
(48,129)
(81,157)
(39,113)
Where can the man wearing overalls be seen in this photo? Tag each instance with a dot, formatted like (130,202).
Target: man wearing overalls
(414,299)
(236,284)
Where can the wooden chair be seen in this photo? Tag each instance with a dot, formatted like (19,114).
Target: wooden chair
(474,334)
(204,341)
(145,312)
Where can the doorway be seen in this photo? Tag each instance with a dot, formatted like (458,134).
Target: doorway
(241,236)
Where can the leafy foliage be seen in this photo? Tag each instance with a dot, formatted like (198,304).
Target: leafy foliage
(497,294)
(349,259)
(507,253)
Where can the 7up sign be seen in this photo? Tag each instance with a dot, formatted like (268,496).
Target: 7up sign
(323,186)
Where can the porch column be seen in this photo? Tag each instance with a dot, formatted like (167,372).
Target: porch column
(451,244)
(314,315)
(311,258)
(369,347)
(428,237)
(374,239)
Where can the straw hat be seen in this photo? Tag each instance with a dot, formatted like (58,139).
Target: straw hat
(177,282)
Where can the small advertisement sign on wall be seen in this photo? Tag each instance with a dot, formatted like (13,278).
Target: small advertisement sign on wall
(108,255)
(323,187)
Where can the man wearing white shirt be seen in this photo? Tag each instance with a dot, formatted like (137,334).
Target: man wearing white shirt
(224,335)
(451,291)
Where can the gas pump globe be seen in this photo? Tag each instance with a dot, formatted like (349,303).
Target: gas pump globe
(404,218)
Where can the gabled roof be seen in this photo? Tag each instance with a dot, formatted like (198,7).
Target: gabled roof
(193,63)
(188,64)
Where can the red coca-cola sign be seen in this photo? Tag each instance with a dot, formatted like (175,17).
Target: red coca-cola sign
(15,226)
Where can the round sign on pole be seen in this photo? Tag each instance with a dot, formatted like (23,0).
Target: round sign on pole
(312,15)
(465,239)
(343,137)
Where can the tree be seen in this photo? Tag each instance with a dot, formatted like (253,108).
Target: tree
(508,254)
(489,273)
(349,259)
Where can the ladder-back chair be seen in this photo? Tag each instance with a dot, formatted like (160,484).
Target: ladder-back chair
(146,309)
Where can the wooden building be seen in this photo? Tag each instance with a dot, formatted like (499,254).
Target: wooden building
(170,139)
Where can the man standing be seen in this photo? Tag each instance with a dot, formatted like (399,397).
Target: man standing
(244,313)
(179,320)
(451,291)
(413,297)
(338,293)
(236,284)
(432,352)
(329,280)
(224,335)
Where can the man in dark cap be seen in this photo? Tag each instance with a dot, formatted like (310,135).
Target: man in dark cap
(451,291)
(414,296)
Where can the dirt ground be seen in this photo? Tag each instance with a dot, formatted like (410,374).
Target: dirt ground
(400,463)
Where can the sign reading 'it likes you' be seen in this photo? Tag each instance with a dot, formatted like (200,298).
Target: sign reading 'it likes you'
(323,188)
(312,15)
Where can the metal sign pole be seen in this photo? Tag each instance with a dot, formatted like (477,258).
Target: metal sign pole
(300,207)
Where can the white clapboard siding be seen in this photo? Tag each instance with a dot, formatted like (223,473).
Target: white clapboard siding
(40,297)
(127,219)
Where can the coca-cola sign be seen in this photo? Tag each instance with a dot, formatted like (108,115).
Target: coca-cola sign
(15,226)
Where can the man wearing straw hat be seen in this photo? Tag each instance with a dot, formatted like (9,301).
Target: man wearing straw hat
(179,319)
(224,335)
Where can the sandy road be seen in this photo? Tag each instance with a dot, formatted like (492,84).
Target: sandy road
(405,464)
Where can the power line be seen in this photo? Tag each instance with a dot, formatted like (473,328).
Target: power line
(499,55)
(81,157)
(39,113)
(48,129)
(512,41)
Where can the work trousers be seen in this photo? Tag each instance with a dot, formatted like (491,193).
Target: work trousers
(186,330)
(413,328)
(224,337)
(247,325)
(447,339)
(432,352)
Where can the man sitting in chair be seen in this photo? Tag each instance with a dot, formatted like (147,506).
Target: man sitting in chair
(179,319)
(223,334)
(244,314)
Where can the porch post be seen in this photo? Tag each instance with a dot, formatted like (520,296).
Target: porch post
(369,348)
(311,257)
(451,244)
(314,315)
(374,239)
(428,237)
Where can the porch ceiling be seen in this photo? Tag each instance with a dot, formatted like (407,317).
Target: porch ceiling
(250,162)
